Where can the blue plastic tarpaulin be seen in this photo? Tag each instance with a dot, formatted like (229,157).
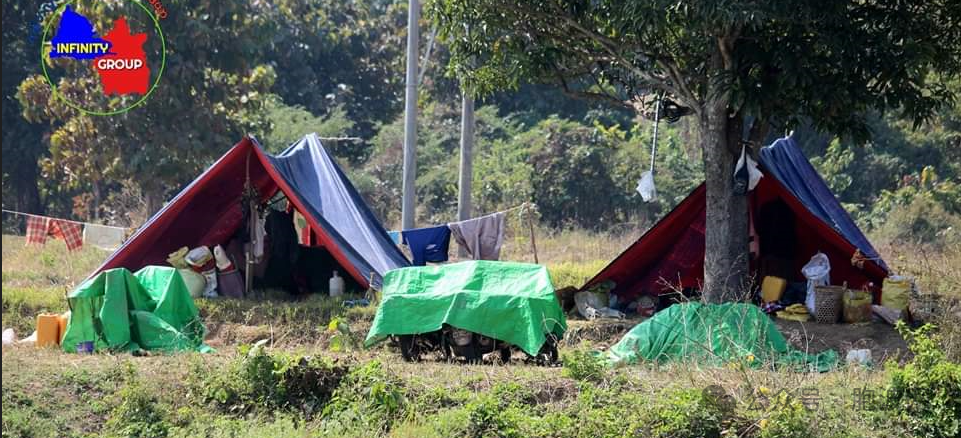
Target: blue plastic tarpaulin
(342,214)
(784,160)
(208,210)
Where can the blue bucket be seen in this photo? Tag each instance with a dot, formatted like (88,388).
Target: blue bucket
(85,347)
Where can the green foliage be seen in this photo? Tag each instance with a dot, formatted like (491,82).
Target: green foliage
(583,365)
(925,393)
(341,338)
(290,123)
(688,413)
(785,417)
(263,381)
(490,416)
(136,412)
(574,274)
(368,400)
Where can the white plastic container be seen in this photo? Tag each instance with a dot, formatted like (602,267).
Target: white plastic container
(336,285)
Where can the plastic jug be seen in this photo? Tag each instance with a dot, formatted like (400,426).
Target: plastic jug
(336,285)
(62,321)
(48,329)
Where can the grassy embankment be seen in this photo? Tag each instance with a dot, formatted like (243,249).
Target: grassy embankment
(299,387)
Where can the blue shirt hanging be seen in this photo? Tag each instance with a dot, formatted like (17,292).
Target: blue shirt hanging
(428,244)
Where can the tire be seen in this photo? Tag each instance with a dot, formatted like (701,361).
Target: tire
(471,352)
(505,354)
(409,348)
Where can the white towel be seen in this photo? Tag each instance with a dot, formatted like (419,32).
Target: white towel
(103,237)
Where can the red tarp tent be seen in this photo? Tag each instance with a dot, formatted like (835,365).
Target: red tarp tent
(670,256)
(208,211)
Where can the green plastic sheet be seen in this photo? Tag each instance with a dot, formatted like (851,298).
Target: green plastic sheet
(715,334)
(122,311)
(512,302)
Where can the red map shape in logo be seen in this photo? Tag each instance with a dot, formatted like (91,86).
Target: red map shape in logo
(124,70)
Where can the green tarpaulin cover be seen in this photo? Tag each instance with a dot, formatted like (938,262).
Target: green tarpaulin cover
(512,302)
(150,310)
(715,334)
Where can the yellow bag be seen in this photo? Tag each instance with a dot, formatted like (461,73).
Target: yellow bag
(896,292)
(772,288)
(795,312)
(800,317)
(176,258)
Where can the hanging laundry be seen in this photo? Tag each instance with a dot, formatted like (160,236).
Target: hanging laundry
(39,227)
(395,237)
(260,232)
(103,237)
(482,237)
(428,244)
(302,228)
(37,230)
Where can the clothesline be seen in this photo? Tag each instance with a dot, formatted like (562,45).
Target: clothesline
(480,237)
(62,220)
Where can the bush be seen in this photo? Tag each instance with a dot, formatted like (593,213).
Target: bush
(137,413)
(368,401)
(689,413)
(260,380)
(925,394)
(583,365)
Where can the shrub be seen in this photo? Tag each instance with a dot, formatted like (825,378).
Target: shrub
(137,413)
(925,394)
(258,379)
(583,365)
(368,400)
(785,417)
(689,413)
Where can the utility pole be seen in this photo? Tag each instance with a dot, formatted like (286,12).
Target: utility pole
(466,160)
(410,116)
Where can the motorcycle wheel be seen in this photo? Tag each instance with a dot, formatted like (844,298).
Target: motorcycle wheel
(409,349)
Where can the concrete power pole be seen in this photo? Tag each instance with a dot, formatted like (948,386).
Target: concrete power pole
(466,160)
(410,116)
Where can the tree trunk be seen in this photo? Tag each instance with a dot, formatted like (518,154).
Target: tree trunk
(153,201)
(28,190)
(726,233)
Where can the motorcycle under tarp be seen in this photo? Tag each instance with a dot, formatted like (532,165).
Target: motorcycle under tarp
(121,311)
(509,301)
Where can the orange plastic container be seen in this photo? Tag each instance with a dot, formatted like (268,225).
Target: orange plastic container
(62,321)
(48,329)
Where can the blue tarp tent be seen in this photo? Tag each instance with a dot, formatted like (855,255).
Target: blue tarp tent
(670,256)
(784,160)
(208,211)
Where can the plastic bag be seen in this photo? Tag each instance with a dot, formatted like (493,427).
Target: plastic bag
(198,256)
(896,292)
(646,187)
(746,173)
(818,273)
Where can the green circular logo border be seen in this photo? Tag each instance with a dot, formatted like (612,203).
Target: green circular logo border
(68,102)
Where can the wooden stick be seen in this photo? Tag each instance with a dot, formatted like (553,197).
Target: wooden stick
(530,224)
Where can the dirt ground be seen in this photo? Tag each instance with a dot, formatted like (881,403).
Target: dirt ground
(883,341)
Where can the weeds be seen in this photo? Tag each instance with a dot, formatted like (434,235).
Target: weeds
(925,394)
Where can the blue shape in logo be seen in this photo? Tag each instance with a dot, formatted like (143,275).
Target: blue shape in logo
(76,38)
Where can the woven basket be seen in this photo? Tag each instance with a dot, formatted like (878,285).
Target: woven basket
(828,305)
(927,307)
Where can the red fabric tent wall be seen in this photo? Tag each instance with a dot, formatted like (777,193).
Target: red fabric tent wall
(671,254)
(208,212)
